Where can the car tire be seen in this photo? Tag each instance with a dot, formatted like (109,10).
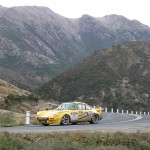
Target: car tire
(45,124)
(74,123)
(94,119)
(65,120)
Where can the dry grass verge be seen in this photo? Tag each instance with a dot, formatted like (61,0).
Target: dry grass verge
(76,141)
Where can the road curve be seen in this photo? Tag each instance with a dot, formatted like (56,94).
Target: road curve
(110,122)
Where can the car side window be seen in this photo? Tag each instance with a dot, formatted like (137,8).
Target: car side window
(81,107)
(88,107)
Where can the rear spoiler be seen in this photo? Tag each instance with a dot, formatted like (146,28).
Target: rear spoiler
(99,109)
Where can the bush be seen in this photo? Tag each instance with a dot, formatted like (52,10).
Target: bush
(17,97)
(8,143)
(65,145)
(7,119)
(143,145)
(76,141)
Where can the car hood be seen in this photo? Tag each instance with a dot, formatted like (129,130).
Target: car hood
(50,113)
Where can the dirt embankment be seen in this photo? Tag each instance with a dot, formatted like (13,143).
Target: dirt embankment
(20,107)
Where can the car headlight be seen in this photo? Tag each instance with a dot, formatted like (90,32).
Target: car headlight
(54,115)
(38,113)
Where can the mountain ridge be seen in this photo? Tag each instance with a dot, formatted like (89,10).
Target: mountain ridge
(116,77)
(37,44)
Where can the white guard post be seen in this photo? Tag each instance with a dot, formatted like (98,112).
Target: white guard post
(112,110)
(27,117)
(117,111)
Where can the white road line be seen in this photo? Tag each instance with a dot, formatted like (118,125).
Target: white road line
(138,117)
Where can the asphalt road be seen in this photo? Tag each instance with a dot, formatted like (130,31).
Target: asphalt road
(110,122)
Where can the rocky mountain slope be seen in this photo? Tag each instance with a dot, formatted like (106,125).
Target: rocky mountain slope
(117,77)
(7,88)
(37,44)
(21,105)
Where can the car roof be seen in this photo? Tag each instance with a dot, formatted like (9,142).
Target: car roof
(77,102)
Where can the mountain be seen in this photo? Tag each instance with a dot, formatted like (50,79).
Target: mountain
(7,89)
(17,102)
(36,44)
(117,77)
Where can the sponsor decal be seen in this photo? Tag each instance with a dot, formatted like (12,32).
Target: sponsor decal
(85,114)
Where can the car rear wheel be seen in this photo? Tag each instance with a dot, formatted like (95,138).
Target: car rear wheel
(65,120)
(94,119)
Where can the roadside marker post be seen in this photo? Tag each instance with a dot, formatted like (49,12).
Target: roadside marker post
(27,117)
(122,111)
(117,111)
(112,110)
(105,109)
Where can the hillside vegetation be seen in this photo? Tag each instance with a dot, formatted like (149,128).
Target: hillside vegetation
(118,77)
(17,100)
(36,44)
(7,88)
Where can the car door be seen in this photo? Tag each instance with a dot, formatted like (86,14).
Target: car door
(82,114)
(89,111)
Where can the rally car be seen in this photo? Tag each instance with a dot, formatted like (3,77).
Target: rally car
(70,113)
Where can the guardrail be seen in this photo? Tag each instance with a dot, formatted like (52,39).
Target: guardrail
(126,111)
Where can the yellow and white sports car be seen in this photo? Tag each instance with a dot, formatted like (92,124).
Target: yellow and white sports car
(70,112)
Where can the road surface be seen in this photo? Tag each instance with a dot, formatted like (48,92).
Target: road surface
(110,122)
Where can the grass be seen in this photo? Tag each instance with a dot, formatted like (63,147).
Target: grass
(75,141)
(7,119)
(10,119)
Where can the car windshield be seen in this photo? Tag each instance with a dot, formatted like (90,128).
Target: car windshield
(67,106)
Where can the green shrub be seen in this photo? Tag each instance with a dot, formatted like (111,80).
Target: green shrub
(143,145)
(120,147)
(17,97)
(65,145)
(7,119)
(9,143)
(75,141)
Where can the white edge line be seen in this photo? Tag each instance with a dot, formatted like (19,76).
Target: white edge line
(138,118)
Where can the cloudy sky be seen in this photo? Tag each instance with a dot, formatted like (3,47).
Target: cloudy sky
(132,9)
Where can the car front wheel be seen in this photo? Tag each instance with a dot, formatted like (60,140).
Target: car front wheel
(65,120)
(94,119)
(45,124)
